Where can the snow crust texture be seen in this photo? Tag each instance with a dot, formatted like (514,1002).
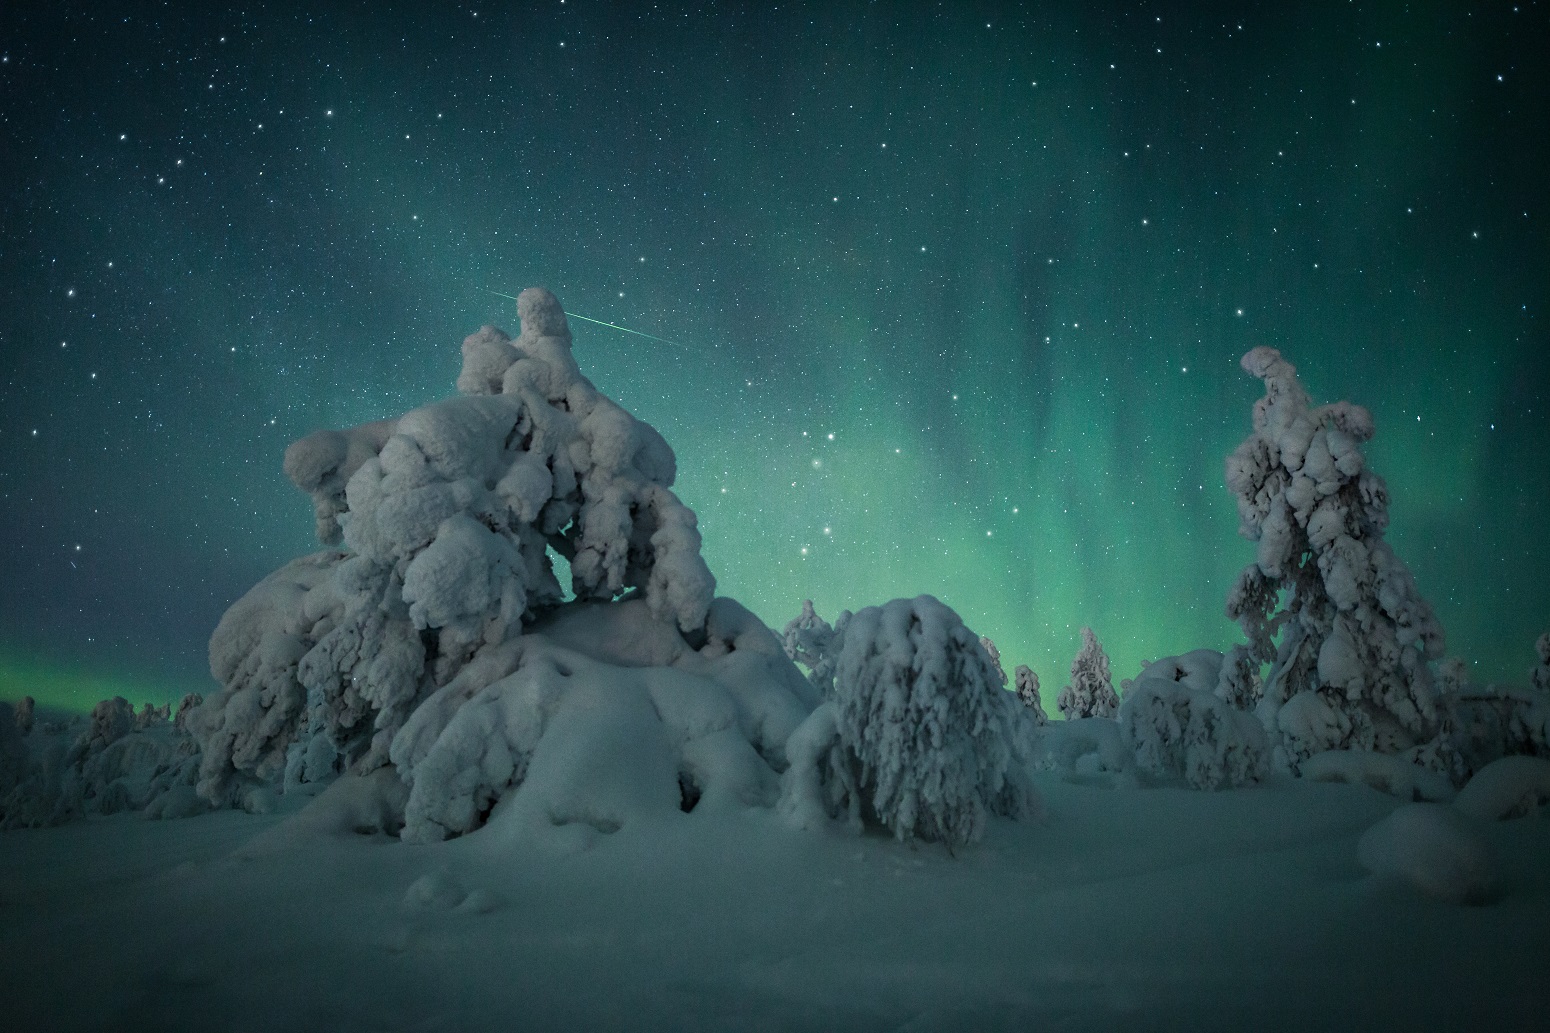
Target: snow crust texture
(446,516)
(920,736)
(1350,669)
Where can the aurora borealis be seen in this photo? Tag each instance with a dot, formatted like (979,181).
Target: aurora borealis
(956,292)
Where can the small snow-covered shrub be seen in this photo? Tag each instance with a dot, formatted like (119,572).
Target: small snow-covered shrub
(922,738)
(1178,728)
(1091,692)
(1028,694)
(1354,630)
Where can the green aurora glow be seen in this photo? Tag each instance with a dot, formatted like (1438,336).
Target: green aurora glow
(1009,262)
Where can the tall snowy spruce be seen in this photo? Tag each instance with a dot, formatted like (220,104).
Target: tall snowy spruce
(1091,692)
(434,641)
(920,736)
(1355,636)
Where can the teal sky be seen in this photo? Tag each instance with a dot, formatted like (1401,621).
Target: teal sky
(957,293)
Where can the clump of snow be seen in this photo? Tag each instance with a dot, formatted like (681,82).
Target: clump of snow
(1381,771)
(920,736)
(810,641)
(1355,633)
(1435,849)
(1091,692)
(1507,788)
(1178,728)
(447,515)
(1027,684)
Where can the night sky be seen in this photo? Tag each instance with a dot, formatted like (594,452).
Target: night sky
(956,292)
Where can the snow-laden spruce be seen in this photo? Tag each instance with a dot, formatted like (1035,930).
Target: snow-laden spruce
(1091,692)
(1350,669)
(920,735)
(435,641)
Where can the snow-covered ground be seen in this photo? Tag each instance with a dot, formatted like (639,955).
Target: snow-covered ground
(1122,909)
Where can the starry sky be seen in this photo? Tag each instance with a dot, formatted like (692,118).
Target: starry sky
(955,293)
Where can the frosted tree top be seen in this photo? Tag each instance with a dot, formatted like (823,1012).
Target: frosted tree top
(463,497)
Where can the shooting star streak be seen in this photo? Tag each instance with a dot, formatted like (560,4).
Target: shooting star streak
(599,322)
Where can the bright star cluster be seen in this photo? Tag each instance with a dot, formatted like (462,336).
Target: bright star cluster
(941,303)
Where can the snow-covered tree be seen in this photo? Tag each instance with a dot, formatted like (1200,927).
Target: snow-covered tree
(1091,692)
(920,735)
(1028,693)
(1539,677)
(810,641)
(435,644)
(447,515)
(1178,726)
(1355,635)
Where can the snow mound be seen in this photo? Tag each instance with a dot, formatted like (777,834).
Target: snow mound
(564,734)
(1434,849)
(447,516)
(1178,728)
(1507,788)
(1065,746)
(920,737)
(1381,771)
